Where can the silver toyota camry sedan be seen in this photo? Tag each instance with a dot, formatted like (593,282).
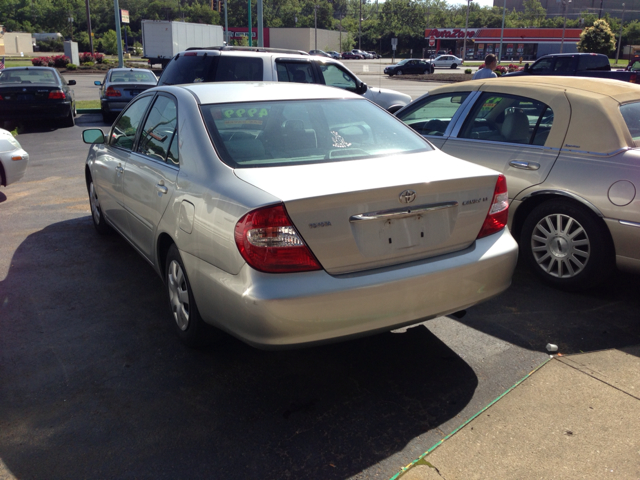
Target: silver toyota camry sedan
(289,214)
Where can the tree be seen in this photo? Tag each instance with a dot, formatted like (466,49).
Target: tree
(534,13)
(597,39)
(632,33)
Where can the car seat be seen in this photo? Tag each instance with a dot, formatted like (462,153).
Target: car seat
(515,127)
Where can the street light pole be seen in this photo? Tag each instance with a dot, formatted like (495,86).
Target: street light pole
(360,27)
(89,26)
(504,13)
(315,26)
(564,27)
(466,27)
(620,40)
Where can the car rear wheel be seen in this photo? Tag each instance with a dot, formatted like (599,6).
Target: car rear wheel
(454,65)
(399,72)
(188,323)
(69,120)
(96,212)
(567,246)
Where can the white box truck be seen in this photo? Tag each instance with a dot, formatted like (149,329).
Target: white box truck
(162,40)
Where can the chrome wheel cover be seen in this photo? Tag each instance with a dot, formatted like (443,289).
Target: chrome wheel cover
(399,72)
(178,295)
(95,204)
(560,246)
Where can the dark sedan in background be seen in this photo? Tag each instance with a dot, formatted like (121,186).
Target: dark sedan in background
(410,66)
(36,93)
(120,86)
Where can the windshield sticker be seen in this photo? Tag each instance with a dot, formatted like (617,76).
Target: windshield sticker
(244,121)
(338,141)
(246,112)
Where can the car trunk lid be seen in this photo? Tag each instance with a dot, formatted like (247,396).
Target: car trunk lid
(359,215)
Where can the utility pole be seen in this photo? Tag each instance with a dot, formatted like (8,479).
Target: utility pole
(250,29)
(466,27)
(116,7)
(620,39)
(315,26)
(260,22)
(89,26)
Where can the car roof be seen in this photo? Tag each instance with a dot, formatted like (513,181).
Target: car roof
(230,92)
(119,69)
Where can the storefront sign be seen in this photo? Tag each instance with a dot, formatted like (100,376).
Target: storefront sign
(509,48)
(520,47)
(480,49)
(452,33)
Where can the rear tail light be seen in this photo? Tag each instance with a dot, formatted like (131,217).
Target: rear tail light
(633,78)
(56,95)
(269,242)
(499,212)
(112,92)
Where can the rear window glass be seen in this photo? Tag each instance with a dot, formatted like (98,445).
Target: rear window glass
(631,114)
(265,134)
(594,62)
(212,68)
(28,76)
(132,76)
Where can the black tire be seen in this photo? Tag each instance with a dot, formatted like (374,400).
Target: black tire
(453,65)
(96,211)
(433,68)
(398,72)
(188,323)
(69,120)
(106,117)
(567,245)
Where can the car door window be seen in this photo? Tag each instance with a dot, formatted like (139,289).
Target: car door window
(334,76)
(563,65)
(298,72)
(434,115)
(159,129)
(123,133)
(543,66)
(509,119)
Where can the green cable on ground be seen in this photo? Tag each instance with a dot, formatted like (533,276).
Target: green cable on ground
(404,469)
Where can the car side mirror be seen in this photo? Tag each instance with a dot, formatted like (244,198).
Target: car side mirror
(93,135)
(97,82)
(526,67)
(362,88)
(71,82)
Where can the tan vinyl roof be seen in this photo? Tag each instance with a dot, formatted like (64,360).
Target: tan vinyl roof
(596,124)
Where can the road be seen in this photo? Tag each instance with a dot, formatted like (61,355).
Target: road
(95,385)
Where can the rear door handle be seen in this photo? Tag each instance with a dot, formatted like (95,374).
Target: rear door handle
(524,165)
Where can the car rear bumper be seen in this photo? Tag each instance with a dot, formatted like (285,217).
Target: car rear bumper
(111,106)
(36,111)
(280,310)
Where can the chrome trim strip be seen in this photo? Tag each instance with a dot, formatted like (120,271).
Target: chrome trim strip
(629,224)
(562,193)
(401,212)
(494,143)
(596,154)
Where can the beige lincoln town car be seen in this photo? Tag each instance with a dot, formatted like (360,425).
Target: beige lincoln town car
(569,149)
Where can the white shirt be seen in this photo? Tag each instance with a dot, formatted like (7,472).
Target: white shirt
(484,73)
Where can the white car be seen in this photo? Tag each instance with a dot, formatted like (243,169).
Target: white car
(446,61)
(13,159)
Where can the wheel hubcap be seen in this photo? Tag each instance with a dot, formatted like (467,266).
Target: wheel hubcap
(95,204)
(560,246)
(178,295)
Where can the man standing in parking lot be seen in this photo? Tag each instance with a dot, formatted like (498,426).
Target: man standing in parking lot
(490,64)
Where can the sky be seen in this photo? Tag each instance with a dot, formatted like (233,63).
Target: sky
(482,3)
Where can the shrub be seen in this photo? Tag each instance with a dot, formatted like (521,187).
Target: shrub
(72,66)
(40,62)
(60,61)
(98,57)
(467,71)
(86,57)
(501,70)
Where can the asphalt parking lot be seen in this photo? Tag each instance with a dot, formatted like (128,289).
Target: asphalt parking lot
(95,385)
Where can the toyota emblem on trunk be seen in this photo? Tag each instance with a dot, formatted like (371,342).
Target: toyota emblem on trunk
(407,196)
